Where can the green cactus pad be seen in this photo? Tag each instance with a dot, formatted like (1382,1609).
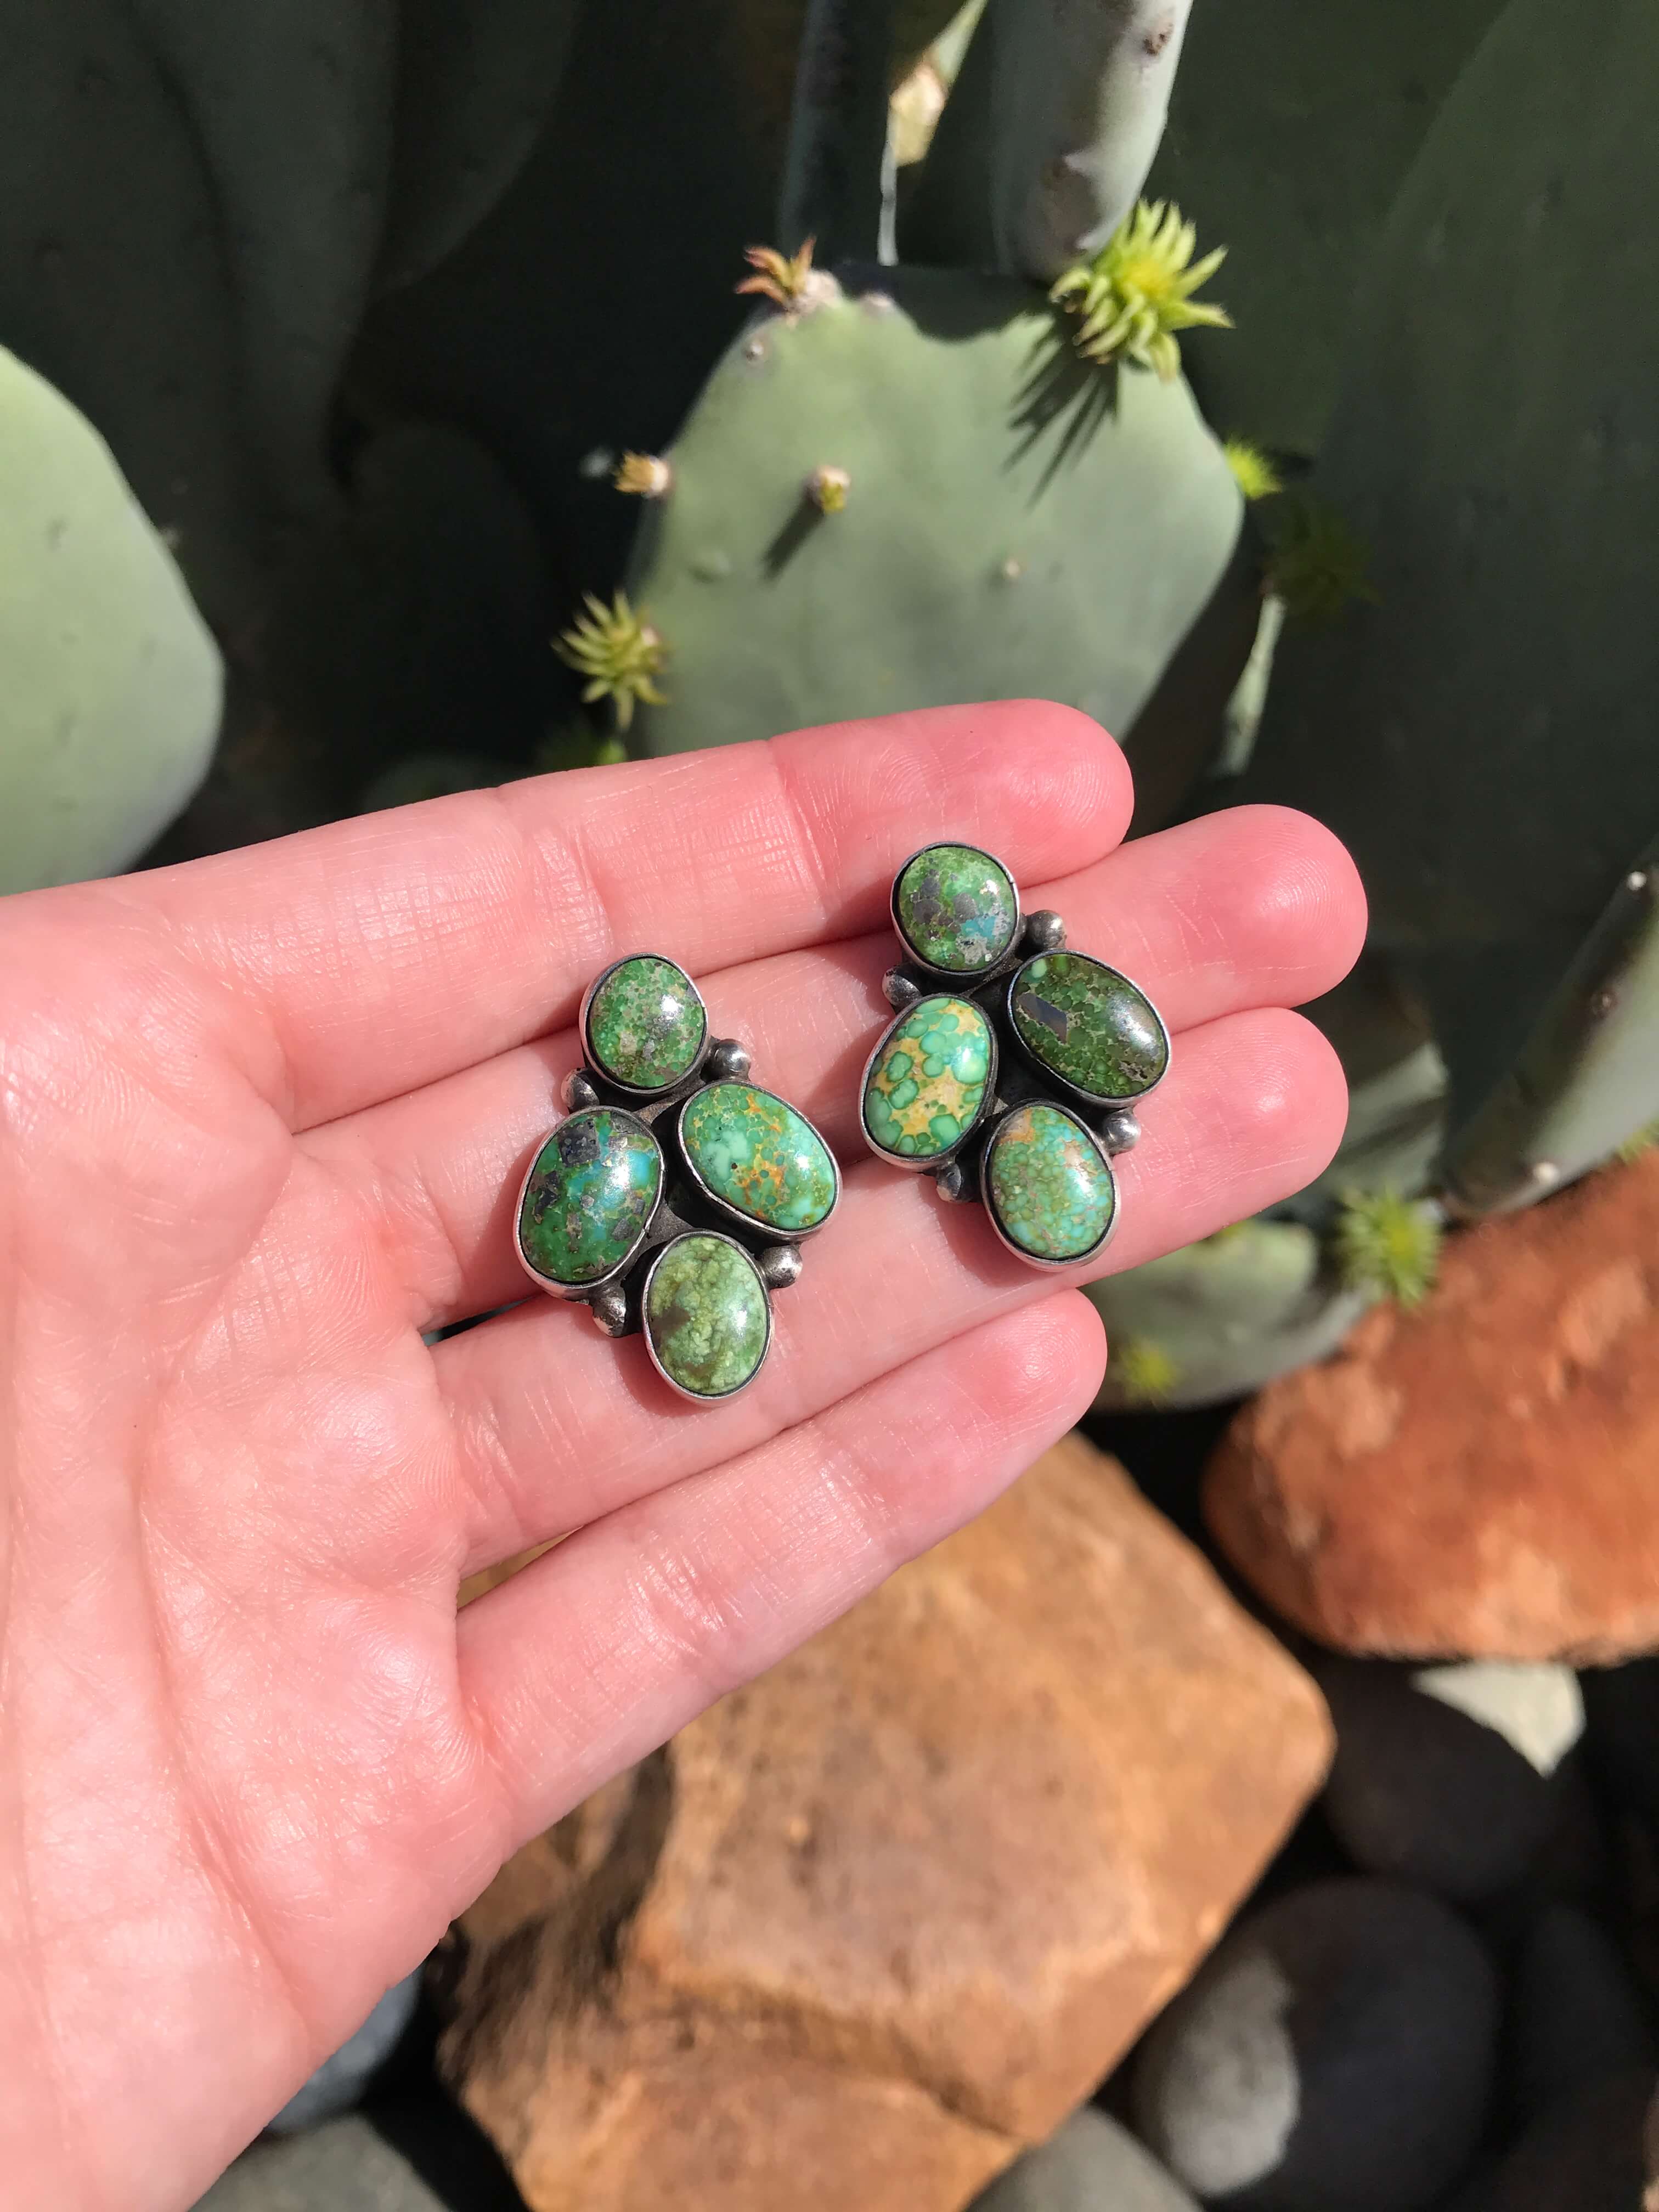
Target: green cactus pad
(1227,1314)
(109,700)
(1020,525)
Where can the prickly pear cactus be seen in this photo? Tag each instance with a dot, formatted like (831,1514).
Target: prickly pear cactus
(1289,131)
(1048,138)
(1481,735)
(1215,1320)
(110,700)
(1013,520)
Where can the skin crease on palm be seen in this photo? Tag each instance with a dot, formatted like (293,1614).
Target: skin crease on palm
(262,1122)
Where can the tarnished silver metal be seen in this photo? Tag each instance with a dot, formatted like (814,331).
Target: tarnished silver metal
(577,1092)
(1120,1132)
(1108,1126)
(780,1266)
(685,1203)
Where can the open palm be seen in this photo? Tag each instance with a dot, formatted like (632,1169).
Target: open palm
(262,1122)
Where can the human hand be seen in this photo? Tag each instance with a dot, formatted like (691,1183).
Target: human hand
(262,1123)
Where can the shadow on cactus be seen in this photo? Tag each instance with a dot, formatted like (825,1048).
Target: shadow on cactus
(1136,295)
(1317,565)
(1387,1243)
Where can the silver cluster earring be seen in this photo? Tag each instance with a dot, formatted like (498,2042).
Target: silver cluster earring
(674,1197)
(1012,1069)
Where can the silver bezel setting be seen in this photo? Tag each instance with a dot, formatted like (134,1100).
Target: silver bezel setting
(698,1397)
(1017,1077)
(590,1054)
(1074,1092)
(975,978)
(994,1133)
(773,1232)
(580,1293)
(933,1161)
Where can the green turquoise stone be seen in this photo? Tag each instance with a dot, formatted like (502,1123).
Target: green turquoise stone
(645,1023)
(590,1196)
(706,1316)
(956,909)
(1048,1183)
(759,1155)
(926,1085)
(1089,1026)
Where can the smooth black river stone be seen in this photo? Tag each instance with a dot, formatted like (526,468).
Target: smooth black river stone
(1338,2049)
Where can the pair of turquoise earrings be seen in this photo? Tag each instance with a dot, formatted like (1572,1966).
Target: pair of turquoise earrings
(675,1196)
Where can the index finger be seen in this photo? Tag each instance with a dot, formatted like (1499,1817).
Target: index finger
(385,952)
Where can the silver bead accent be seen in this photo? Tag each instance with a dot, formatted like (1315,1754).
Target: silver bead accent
(1120,1132)
(1044,931)
(951,1183)
(577,1092)
(728,1061)
(780,1266)
(610,1309)
(901,991)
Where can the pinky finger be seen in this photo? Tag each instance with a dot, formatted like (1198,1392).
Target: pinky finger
(594,1655)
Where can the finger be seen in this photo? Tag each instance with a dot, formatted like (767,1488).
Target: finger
(596,1654)
(383,953)
(1255,908)
(557,1426)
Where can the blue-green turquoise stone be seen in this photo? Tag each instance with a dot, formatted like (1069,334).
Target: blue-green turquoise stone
(926,1085)
(957,909)
(1049,1184)
(1089,1025)
(590,1196)
(757,1153)
(706,1314)
(645,1023)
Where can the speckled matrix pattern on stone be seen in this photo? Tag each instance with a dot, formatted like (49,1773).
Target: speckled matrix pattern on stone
(957,909)
(1089,1026)
(757,1153)
(1048,1183)
(706,1316)
(645,1023)
(927,1084)
(590,1196)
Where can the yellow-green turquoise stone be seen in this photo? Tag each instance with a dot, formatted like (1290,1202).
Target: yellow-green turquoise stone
(957,909)
(590,1196)
(1049,1184)
(706,1314)
(1089,1026)
(927,1086)
(758,1154)
(645,1022)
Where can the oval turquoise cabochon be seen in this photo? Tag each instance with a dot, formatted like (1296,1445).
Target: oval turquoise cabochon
(1089,1026)
(706,1318)
(1050,1186)
(928,1078)
(956,908)
(590,1196)
(755,1152)
(645,1023)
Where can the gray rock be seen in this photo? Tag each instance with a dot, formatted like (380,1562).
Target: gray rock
(1422,1791)
(1577,2017)
(1337,2048)
(342,2167)
(1092,2165)
(1584,2156)
(341,2080)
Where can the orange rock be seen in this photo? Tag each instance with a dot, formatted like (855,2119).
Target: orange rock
(873,1925)
(1481,1479)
